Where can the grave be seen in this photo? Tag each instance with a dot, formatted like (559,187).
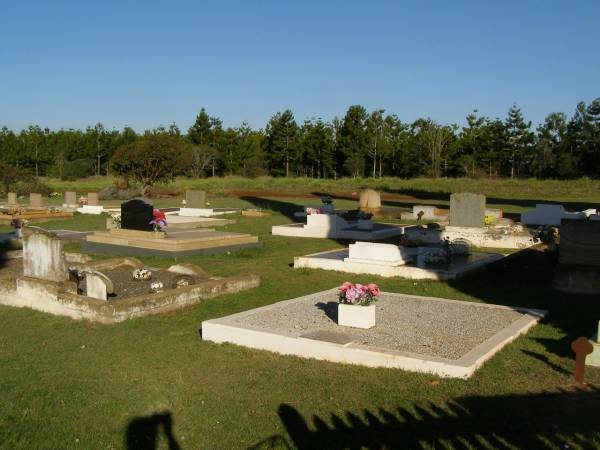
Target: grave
(551,214)
(137,237)
(388,260)
(92,205)
(335,226)
(578,268)
(195,206)
(36,201)
(70,200)
(326,207)
(447,338)
(427,212)
(12,199)
(106,291)
(195,199)
(467,223)
(370,202)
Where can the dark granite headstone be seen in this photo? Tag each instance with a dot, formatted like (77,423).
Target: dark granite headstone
(136,214)
(579,242)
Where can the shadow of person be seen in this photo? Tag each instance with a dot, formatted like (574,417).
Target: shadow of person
(143,432)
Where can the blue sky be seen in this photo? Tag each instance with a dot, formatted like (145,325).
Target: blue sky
(147,63)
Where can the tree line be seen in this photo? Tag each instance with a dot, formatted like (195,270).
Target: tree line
(359,144)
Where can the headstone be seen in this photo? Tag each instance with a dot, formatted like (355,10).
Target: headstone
(35,200)
(136,214)
(579,243)
(369,199)
(43,256)
(12,199)
(195,199)
(467,210)
(92,199)
(98,285)
(329,222)
(582,347)
(70,198)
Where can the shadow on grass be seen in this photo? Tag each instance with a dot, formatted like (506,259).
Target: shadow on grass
(143,433)
(563,419)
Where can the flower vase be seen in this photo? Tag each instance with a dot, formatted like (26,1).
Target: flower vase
(356,316)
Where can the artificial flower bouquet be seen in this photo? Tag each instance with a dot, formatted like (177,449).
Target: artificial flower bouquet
(358,294)
(159,221)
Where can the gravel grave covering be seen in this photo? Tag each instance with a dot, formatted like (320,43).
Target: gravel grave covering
(126,286)
(418,325)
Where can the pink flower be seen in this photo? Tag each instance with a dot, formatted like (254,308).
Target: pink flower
(374,289)
(345,287)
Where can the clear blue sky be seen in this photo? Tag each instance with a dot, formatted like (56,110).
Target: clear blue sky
(142,64)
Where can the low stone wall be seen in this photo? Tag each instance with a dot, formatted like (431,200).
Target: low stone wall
(60,299)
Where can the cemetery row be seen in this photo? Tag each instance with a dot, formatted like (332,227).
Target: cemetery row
(357,320)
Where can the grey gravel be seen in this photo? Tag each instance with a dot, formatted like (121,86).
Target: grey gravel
(418,325)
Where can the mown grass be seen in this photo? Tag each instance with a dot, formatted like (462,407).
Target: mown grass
(69,384)
(580,190)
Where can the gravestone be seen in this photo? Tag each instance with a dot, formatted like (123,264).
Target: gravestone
(369,199)
(92,199)
(43,256)
(136,214)
(12,199)
(467,210)
(195,199)
(71,198)
(374,251)
(35,200)
(579,243)
(98,285)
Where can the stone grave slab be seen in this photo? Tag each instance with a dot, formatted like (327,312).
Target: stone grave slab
(467,210)
(448,338)
(12,199)
(70,199)
(43,256)
(92,199)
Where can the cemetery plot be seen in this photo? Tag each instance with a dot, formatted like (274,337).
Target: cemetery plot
(410,267)
(444,337)
(107,291)
(35,212)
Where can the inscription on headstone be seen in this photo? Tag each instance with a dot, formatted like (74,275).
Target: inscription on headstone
(12,198)
(71,198)
(92,199)
(35,200)
(195,199)
(467,210)
(43,256)
(136,214)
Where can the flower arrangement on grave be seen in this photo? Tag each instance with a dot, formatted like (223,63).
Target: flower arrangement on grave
(141,274)
(159,221)
(358,294)
(56,194)
(83,200)
(310,211)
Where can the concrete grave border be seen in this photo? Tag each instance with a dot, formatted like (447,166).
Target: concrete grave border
(226,330)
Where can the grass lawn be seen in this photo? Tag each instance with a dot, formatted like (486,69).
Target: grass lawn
(70,384)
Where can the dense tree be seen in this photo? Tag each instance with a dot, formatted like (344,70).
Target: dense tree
(153,159)
(359,144)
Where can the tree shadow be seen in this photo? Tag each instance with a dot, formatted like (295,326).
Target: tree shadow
(143,433)
(560,419)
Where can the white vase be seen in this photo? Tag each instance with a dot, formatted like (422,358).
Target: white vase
(356,316)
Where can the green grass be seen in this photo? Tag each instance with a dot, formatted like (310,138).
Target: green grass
(70,384)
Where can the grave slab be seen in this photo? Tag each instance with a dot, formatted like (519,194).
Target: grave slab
(195,199)
(448,338)
(338,260)
(467,210)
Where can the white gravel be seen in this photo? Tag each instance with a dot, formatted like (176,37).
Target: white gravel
(418,325)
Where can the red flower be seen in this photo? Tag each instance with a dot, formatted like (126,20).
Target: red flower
(159,215)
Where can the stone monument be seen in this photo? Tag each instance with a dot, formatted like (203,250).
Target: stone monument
(195,199)
(70,199)
(43,255)
(12,199)
(136,214)
(467,210)
(92,199)
(369,200)
(36,200)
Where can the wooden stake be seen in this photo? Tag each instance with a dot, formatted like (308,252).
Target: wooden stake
(582,347)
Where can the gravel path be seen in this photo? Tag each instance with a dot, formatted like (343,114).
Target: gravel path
(418,325)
